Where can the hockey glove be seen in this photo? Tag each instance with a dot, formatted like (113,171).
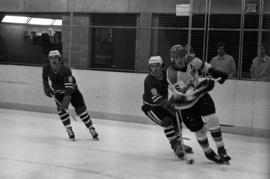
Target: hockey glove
(168,106)
(205,86)
(65,103)
(217,73)
(48,92)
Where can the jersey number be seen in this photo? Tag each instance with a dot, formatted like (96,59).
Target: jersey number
(154,91)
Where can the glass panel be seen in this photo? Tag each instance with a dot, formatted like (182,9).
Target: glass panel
(251,21)
(168,38)
(231,41)
(198,20)
(28,44)
(170,20)
(113,47)
(266,21)
(197,42)
(227,21)
(250,44)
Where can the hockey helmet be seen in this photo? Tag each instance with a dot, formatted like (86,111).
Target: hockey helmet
(155,66)
(55,59)
(177,51)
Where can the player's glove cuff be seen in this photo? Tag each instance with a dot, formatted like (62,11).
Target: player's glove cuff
(217,73)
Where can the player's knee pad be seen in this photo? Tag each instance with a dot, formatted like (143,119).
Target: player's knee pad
(80,110)
(193,123)
(212,121)
(167,121)
(200,134)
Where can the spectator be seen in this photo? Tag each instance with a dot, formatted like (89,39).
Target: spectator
(223,61)
(260,68)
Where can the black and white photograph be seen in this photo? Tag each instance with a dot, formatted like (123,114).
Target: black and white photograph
(134,89)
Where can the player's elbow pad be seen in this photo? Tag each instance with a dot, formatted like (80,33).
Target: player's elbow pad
(46,84)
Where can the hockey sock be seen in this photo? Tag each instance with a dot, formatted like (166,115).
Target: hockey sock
(64,116)
(214,128)
(170,132)
(217,136)
(203,141)
(86,119)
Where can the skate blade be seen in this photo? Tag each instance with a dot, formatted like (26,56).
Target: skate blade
(72,139)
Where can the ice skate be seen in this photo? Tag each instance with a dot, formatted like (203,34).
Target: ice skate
(214,157)
(71,134)
(93,133)
(223,154)
(177,148)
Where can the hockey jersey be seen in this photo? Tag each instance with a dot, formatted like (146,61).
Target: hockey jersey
(155,90)
(61,81)
(184,82)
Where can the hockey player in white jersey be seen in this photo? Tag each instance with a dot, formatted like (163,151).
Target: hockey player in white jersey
(190,95)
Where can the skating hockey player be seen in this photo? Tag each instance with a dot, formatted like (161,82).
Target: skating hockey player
(64,89)
(157,107)
(190,95)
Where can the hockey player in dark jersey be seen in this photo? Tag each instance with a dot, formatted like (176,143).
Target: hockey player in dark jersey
(191,97)
(157,107)
(65,90)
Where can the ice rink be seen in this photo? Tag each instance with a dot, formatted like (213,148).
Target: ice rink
(35,145)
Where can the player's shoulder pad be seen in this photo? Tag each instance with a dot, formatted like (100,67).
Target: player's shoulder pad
(66,69)
(171,75)
(197,63)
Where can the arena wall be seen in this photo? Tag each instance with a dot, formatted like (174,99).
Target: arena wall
(243,106)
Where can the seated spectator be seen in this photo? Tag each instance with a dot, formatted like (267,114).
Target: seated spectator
(260,68)
(223,61)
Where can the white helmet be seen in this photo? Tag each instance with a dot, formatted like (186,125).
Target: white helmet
(155,59)
(54,53)
(157,72)
(55,64)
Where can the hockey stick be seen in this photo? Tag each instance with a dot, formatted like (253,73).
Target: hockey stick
(189,161)
(186,99)
(191,95)
(66,110)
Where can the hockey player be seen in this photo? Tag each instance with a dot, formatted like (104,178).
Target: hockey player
(157,107)
(65,90)
(191,97)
